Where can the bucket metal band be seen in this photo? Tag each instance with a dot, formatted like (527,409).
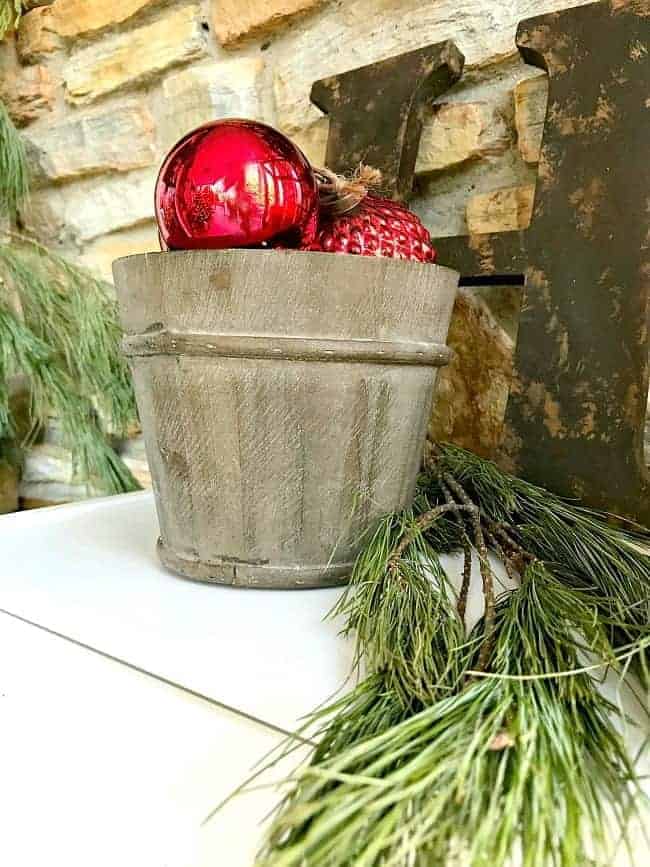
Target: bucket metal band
(165,342)
(242,574)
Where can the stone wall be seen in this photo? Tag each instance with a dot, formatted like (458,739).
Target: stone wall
(102,89)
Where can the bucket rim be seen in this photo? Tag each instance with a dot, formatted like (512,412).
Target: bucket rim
(234,252)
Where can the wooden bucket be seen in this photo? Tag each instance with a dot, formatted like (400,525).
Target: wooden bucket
(284,398)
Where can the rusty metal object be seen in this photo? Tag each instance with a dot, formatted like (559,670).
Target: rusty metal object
(576,413)
(284,398)
(390,97)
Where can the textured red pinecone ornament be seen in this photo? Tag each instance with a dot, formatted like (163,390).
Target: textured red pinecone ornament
(354,221)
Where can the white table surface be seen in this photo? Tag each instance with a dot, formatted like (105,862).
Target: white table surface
(132,701)
(90,571)
(101,765)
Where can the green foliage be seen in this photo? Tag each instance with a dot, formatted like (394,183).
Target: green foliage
(73,313)
(436,758)
(13,166)
(10,12)
(580,546)
(501,766)
(406,626)
(59,330)
(54,390)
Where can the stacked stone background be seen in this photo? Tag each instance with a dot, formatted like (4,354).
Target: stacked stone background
(102,88)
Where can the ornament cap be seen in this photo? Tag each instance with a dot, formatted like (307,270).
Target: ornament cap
(340,195)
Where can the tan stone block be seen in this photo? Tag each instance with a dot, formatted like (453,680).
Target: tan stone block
(204,92)
(472,391)
(27,503)
(99,255)
(47,462)
(27,93)
(234,20)
(78,17)
(91,207)
(41,495)
(312,141)
(49,478)
(37,35)
(115,140)
(133,454)
(295,114)
(500,210)
(531,97)
(460,131)
(134,56)
(140,472)
(357,32)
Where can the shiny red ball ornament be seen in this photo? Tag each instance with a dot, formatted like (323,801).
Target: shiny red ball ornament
(235,183)
(357,222)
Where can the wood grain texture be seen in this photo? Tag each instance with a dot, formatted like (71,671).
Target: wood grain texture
(268,465)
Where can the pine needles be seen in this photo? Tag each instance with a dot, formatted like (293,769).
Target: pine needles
(480,749)
(585,549)
(73,314)
(54,390)
(406,626)
(59,331)
(13,165)
(502,767)
(10,12)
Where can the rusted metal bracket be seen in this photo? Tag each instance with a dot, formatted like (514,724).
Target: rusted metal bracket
(389,97)
(575,416)
(576,412)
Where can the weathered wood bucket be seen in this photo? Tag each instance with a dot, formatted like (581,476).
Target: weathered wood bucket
(284,398)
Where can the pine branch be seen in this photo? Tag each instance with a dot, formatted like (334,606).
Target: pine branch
(14,186)
(579,545)
(500,766)
(456,488)
(10,12)
(463,595)
(54,390)
(406,626)
(487,748)
(59,328)
(74,314)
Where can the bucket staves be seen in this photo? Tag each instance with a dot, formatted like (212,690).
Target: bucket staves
(284,399)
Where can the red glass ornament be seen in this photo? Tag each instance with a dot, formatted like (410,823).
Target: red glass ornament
(235,183)
(375,227)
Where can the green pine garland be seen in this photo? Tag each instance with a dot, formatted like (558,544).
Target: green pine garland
(483,748)
(10,12)
(583,548)
(14,183)
(59,331)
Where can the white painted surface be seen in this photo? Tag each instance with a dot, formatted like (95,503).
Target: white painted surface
(103,766)
(90,571)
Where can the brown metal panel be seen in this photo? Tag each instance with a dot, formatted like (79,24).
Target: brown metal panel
(388,97)
(576,414)
(492,255)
